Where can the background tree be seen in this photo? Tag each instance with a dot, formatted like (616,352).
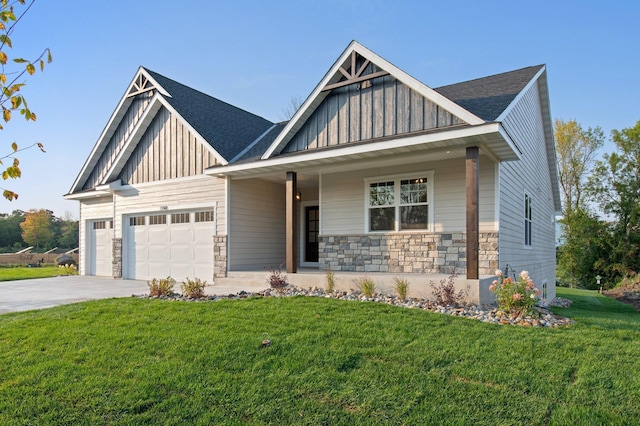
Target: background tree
(615,187)
(12,73)
(10,232)
(294,105)
(37,228)
(66,231)
(576,150)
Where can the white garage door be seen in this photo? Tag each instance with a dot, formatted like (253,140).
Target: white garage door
(179,245)
(100,262)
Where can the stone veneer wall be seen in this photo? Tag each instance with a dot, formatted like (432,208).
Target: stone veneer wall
(117,257)
(220,256)
(441,253)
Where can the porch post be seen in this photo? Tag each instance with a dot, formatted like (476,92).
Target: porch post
(291,228)
(473,216)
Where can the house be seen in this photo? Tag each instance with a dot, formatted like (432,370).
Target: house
(376,173)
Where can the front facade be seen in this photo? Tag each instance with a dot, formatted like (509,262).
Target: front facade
(376,173)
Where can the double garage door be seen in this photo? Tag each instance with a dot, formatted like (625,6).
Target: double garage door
(156,245)
(165,244)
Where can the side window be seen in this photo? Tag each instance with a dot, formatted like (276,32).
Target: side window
(527,219)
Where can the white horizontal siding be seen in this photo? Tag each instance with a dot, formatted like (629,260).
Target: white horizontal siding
(343,204)
(176,195)
(91,209)
(529,175)
(256,225)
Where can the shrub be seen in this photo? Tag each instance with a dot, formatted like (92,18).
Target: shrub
(68,269)
(276,279)
(445,294)
(193,289)
(161,287)
(331,282)
(401,286)
(366,286)
(515,297)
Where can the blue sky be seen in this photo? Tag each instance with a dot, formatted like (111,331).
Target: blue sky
(258,55)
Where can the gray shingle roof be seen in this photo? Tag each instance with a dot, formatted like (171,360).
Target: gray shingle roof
(488,97)
(228,129)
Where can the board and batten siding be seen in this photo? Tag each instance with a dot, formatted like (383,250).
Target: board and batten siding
(167,150)
(91,209)
(343,204)
(118,139)
(256,225)
(361,112)
(531,176)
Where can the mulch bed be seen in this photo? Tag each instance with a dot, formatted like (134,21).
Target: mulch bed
(629,294)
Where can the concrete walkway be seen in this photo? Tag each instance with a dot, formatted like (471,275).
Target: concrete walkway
(25,295)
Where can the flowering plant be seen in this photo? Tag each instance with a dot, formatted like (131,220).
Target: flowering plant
(68,269)
(515,297)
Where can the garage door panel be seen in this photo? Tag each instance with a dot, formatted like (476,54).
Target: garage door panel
(179,250)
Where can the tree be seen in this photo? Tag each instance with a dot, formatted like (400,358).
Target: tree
(67,231)
(37,228)
(10,232)
(11,82)
(576,150)
(615,186)
(294,105)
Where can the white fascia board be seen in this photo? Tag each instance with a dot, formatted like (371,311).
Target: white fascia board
(158,86)
(402,76)
(519,96)
(423,139)
(509,141)
(86,195)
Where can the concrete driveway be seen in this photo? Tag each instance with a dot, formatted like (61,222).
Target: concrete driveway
(25,295)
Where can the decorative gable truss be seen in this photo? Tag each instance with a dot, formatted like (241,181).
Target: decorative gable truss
(363,97)
(145,140)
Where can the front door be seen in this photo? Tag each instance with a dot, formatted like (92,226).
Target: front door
(311,229)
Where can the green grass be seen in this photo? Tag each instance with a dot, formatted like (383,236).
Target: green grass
(24,273)
(138,361)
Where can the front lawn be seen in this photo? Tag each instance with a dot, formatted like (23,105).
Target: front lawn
(24,273)
(139,361)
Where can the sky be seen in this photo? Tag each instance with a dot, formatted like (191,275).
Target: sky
(259,55)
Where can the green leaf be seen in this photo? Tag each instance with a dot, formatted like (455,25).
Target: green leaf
(9,195)
(31,69)
(20,60)
(14,146)
(6,114)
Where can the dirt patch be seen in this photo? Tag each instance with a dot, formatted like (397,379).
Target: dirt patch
(629,294)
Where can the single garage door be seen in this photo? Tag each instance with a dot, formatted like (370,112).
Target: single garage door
(175,244)
(100,262)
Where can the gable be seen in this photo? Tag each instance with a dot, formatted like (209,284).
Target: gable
(359,69)
(380,107)
(167,150)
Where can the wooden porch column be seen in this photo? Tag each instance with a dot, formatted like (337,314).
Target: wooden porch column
(291,190)
(473,216)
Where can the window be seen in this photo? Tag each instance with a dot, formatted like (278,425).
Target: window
(136,221)
(204,216)
(158,219)
(100,224)
(400,204)
(180,218)
(527,219)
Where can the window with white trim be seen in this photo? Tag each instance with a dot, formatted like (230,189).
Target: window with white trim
(180,218)
(400,203)
(527,220)
(137,221)
(204,216)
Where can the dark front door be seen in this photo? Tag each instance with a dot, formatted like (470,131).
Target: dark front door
(312,227)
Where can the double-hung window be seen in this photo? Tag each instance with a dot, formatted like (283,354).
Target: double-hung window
(399,203)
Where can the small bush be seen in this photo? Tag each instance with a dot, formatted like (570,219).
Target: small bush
(366,286)
(331,282)
(276,279)
(401,286)
(445,294)
(161,287)
(193,289)
(68,269)
(515,297)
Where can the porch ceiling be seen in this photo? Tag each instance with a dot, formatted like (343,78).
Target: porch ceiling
(490,138)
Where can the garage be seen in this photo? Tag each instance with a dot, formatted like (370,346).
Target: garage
(99,260)
(175,244)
